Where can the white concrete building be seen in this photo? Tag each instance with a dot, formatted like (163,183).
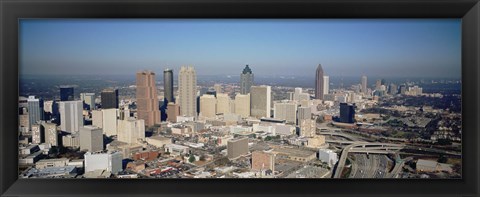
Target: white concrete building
(326,84)
(109,121)
(207,106)
(260,101)
(242,105)
(328,156)
(88,99)
(71,116)
(109,161)
(131,130)
(97,118)
(91,139)
(187,91)
(286,111)
(223,104)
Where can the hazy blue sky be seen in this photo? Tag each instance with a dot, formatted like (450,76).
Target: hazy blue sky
(426,47)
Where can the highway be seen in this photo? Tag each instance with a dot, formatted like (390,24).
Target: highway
(374,167)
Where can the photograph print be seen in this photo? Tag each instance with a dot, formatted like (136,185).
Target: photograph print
(240,98)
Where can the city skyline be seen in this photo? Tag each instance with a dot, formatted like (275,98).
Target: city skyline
(242,125)
(414,48)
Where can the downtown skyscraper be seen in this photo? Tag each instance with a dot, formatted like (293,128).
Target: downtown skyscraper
(168,84)
(147,100)
(246,80)
(364,84)
(319,83)
(66,93)
(109,98)
(187,91)
(35,110)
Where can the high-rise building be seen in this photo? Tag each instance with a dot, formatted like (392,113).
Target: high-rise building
(237,147)
(187,91)
(260,101)
(262,161)
(364,84)
(319,83)
(91,139)
(378,84)
(246,80)
(347,113)
(37,134)
(109,121)
(109,161)
(97,118)
(285,111)
(88,100)
(35,110)
(131,130)
(218,88)
(223,104)
(304,113)
(109,98)
(392,89)
(168,85)
(307,128)
(403,89)
(71,115)
(173,111)
(208,106)
(242,105)
(66,93)
(51,134)
(326,84)
(147,100)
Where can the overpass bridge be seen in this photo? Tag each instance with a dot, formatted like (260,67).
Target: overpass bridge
(365,147)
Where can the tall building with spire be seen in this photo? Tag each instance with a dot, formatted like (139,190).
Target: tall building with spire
(168,84)
(187,91)
(246,80)
(147,100)
(319,83)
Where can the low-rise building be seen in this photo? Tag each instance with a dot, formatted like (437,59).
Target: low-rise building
(47,163)
(176,149)
(328,156)
(262,161)
(158,141)
(108,161)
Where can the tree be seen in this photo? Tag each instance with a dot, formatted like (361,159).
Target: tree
(191,159)
(268,138)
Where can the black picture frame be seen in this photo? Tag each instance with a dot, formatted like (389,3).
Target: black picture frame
(13,10)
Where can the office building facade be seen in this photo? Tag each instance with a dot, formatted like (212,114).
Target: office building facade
(71,116)
(147,100)
(319,83)
(246,80)
(242,105)
(208,106)
(285,111)
(187,91)
(260,101)
(347,113)
(91,139)
(66,93)
(88,100)
(109,99)
(237,147)
(35,110)
(168,85)
(109,121)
